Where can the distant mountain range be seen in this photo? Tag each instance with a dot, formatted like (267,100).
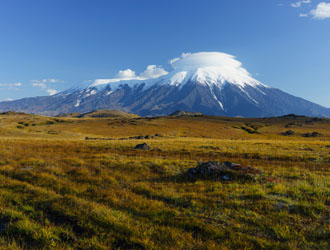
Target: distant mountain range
(212,83)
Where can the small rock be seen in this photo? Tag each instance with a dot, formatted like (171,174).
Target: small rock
(27,168)
(312,159)
(291,207)
(225,178)
(143,146)
(293,124)
(3,226)
(316,119)
(288,133)
(281,205)
(313,134)
(308,149)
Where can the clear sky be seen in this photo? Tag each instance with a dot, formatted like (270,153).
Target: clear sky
(51,45)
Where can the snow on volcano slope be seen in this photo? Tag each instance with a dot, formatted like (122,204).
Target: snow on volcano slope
(213,83)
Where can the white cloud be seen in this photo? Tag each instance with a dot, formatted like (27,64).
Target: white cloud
(206,59)
(303,15)
(299,3)
(46,85)
(153,71)
(322,11)
(51,91)
(126,74)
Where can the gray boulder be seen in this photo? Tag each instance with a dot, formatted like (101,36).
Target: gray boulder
(143,146)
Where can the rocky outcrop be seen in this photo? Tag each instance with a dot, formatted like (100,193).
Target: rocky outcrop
(222,171)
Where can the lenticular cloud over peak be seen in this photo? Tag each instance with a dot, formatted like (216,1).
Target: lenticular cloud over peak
(205,59)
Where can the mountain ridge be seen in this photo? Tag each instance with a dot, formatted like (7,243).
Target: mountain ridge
(211,83)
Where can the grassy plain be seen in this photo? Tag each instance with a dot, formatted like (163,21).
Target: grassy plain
(61,191)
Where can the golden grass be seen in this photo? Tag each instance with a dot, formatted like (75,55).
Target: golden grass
(60,191)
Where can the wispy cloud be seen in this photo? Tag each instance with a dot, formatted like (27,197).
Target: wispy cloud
(39,84)
(299,3)
(45,85)
(51,80)
(15,84)
(322,11)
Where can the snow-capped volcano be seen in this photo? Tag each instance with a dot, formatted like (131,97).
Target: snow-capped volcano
(213,83)
(202,68)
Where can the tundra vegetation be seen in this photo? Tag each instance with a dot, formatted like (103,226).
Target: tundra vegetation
(79,183)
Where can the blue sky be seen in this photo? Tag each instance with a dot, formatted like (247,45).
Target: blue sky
(51,45)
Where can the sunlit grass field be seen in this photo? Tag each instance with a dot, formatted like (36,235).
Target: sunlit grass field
(61,190)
